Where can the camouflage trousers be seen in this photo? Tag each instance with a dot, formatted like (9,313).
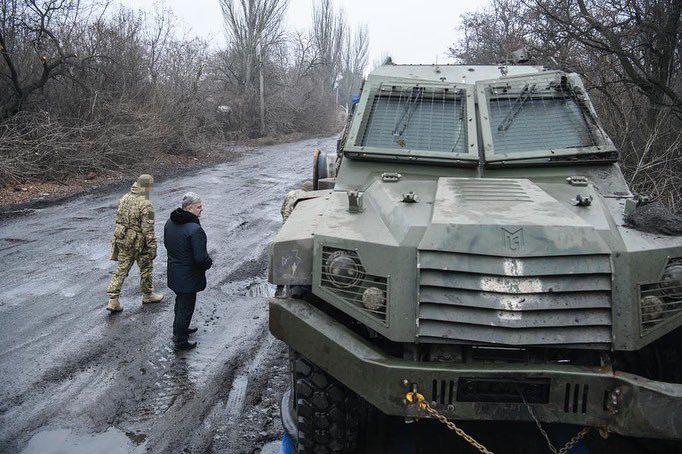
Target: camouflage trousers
(125,262)
(290,202)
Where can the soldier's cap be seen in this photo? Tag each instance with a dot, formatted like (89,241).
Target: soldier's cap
(145,181)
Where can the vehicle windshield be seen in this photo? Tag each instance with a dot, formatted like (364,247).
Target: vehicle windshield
(528,121)
(520,118)
(417,119)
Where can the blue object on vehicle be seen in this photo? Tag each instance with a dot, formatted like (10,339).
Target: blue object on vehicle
(287,446)
(356,99)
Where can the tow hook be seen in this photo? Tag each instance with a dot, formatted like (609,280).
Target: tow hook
(614,400)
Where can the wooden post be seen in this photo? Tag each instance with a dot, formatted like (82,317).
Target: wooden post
(262,101)
(261,90)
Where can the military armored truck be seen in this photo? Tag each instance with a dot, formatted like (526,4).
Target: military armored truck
(467,244)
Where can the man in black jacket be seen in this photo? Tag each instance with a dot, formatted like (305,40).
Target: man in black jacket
(188,261)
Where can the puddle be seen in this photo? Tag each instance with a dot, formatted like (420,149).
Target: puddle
(106,209)
(19,212)
(65,441)
(16,240)
(136,438)
(257,289)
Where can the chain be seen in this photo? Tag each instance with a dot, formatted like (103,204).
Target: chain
(569,444)
(451,425)
(419,400)
(573,441)
(539,426)
(416,398)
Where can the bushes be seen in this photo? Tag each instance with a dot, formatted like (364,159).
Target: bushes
(38,146)
(83,90)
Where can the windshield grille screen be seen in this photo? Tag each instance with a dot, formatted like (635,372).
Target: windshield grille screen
(416,120)
(521,124)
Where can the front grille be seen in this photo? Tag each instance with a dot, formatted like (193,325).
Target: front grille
(514,301)
(353,292)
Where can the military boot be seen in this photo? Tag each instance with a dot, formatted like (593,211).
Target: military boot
(152,298)
(114,306)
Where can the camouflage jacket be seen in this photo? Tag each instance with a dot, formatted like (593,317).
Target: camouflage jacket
(135,221)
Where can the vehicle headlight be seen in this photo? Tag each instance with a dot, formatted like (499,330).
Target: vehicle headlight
(652,308)
(659,301)
(671,284)
(344,270)
(373,299)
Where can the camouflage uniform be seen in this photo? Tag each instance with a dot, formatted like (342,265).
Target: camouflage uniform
(134,241)
(290,201)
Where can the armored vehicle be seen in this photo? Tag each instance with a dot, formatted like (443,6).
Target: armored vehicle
(468,243)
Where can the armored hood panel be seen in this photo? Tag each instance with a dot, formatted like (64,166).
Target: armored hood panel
(506,217)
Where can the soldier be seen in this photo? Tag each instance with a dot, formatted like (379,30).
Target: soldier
(134,241)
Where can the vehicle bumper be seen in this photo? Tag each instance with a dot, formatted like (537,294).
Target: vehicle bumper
(614,401)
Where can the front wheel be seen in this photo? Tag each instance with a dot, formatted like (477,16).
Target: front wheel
(327,413)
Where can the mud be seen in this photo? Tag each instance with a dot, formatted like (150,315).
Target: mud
(77,379)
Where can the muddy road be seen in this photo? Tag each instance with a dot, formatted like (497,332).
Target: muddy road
(113,383)
(76,380)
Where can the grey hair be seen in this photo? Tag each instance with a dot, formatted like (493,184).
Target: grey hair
(190,198)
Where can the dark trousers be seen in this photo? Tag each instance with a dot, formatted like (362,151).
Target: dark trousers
(184,308)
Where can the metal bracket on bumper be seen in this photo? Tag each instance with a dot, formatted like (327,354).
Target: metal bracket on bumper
(615,401)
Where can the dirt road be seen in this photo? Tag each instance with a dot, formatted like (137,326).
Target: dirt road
(72,372)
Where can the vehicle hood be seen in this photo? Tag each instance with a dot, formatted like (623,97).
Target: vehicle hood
(502,217)
(514,217)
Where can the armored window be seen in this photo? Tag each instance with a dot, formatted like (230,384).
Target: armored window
(416,118)
(548,115)
(542,123)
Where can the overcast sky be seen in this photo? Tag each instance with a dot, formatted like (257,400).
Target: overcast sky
(409,31)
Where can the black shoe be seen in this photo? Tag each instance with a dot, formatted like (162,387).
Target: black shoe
(185,345)
(192,330)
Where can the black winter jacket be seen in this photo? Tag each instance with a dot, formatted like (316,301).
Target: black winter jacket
(188,258)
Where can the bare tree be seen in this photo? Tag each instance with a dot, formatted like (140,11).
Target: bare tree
(641,35)
(253,27)
(354,62)
(329,35)
(305,57)
(36,44)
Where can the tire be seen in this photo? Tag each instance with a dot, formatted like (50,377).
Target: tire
(324,169)
(318,168)
(327,413)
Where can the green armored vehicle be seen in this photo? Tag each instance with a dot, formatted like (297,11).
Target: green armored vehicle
(468,243)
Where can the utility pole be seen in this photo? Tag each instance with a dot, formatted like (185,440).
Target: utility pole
(262,91)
